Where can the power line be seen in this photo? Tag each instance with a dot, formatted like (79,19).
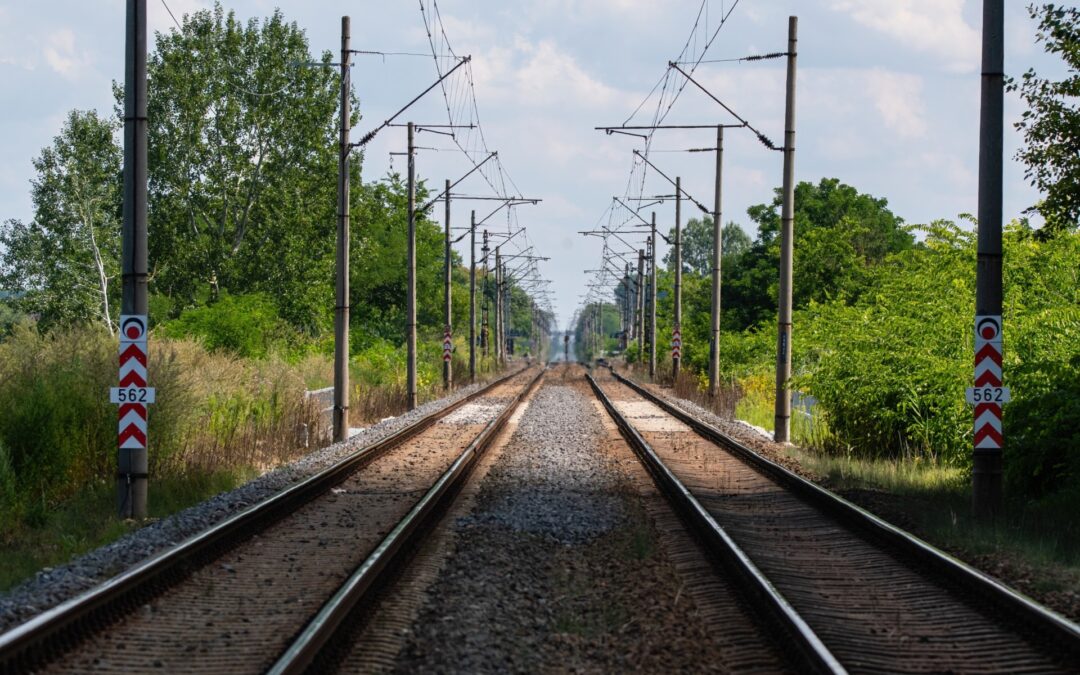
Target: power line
(170,13)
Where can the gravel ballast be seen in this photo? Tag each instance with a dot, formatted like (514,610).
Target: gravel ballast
(52,586)
(558,567)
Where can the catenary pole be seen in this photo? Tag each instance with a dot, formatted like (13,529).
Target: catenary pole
(986,488)
(485,338)
(448,319)
(676,360)
(505,314)
(472,297)
(133,463)
(508,314)
(599,329)
(652,299)
(639,306)
(341,310)
(410,337)
(629,305)
(498,308)
(782,429)
(718,219)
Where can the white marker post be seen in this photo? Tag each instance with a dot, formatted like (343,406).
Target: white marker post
(989,392)
(447,348)
(133,394)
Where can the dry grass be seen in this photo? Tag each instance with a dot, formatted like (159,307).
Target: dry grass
(229,412)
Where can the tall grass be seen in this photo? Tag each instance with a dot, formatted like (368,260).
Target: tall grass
(378,377)
(58,430)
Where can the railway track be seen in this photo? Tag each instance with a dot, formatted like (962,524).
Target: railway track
(849,592)
(240,595)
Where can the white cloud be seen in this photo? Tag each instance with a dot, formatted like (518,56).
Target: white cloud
(551,74)
(933,26)
(541,75)
(60,54)
(898,99)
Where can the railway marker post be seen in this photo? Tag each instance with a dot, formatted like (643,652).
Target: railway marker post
(986,490)
(133,396)
(132,457)
(988,395)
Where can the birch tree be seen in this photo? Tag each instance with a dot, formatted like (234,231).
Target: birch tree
(64,264)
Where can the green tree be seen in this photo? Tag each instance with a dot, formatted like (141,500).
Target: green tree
(840,234)
(63,263)
(378,273)
(697,245)
(1051,121)
(242,164)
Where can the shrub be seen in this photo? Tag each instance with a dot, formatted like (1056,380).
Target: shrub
(244,325)
(890,371)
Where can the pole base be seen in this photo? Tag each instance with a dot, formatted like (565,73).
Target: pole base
(987,493)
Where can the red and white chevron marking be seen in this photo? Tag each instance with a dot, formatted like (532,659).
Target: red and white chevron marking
(447,346)
(133,364)
(989,392)
(132,425)
(676,343)
(133,394)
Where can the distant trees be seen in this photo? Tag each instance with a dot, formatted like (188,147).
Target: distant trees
(1051,122)
(64,264)
(697,245)
(840,233)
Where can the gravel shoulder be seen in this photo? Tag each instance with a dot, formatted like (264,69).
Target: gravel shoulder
(53,586)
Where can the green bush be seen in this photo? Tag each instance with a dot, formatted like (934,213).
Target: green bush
(247,326)
(890,370)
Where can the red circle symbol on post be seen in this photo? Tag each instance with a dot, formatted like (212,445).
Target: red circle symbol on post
(133,327)
(989,327)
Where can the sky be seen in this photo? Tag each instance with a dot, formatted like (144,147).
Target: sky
(888,100)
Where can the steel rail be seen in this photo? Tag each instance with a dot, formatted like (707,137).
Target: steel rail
(306,648)
(807,645)
(57,628)
(1044,622)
